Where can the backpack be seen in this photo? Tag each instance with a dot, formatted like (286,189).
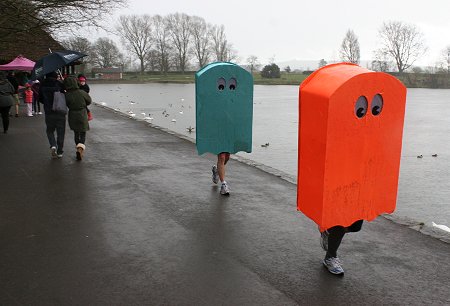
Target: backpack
(59,103)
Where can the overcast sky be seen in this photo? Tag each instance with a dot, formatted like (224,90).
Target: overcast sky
(309,30)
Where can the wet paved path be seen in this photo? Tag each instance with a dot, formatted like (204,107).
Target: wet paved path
(138,222)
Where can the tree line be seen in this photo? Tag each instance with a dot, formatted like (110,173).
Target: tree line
(159,43)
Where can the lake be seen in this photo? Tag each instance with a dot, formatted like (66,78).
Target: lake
(424,186)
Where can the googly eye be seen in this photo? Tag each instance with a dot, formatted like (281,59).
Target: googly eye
(221,84)
(377,105)
(232,84)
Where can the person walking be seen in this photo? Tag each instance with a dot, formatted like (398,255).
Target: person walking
(36,105)
(6,100)
(29,97)
(77,100)
(84,86)
(13,80)
(54,121)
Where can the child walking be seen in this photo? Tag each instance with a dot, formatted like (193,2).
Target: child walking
(29,100)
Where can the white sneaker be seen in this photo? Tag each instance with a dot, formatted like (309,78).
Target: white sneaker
(333,264)
(224,189)
(215,174)
(39,113)
(53,152)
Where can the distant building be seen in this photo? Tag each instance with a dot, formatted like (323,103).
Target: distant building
(111,73)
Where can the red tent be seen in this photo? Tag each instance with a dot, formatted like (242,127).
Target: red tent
(19,63)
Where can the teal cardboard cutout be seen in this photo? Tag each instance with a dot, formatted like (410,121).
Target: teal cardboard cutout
(224,108)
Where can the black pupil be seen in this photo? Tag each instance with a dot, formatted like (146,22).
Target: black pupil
(232,87)
(360,112)
(376,110)
(221,87)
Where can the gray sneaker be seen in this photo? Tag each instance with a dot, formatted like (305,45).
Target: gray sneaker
(224,189)
(53,152)
(334,265)
(324,240)
(215,174)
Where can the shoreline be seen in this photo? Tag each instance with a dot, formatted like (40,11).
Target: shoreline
(421,227)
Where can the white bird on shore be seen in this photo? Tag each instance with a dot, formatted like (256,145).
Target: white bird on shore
(182,99)
(143,114)
(174,120)
(181,112)
(441,226)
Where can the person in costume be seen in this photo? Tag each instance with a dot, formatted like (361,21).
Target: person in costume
(224,114)
(350,138)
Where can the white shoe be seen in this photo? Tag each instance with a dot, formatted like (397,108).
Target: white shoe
(224,189)
(53,152)
(334,265)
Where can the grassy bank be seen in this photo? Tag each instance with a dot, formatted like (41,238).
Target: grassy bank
(411,80)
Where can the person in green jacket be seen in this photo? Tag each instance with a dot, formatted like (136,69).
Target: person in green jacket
(77,100)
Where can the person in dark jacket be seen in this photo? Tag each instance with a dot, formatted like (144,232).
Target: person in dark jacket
(77,100)
(6,100)
(13,80)
(54,121)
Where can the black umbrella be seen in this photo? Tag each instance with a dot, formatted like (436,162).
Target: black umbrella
(54,61)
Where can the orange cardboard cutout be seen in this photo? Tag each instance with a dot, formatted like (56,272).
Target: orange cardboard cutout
(350,139)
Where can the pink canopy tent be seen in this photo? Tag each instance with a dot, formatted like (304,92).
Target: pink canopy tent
(19,63)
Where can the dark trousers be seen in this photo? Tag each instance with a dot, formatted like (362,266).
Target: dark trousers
(36,105)
(80,137)
(5,117)
(336,233)
(56,122)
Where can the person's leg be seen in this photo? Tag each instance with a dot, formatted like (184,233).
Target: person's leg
(50,122)
(29,109)
(335,235)
(60,132)
(82,137)
(76,137)
(5,117)
(222,160)
(17,102)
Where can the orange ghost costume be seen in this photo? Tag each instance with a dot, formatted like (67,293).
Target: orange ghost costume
(349,144)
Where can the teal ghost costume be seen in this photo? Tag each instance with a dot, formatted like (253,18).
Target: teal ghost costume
(224,108)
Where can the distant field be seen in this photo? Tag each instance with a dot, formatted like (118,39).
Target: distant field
(411,80)
(189,77)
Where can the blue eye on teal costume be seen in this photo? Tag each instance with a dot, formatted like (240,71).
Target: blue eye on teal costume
(224,108)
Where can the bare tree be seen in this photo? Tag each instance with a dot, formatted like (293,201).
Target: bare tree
(446,59)
(349,51)
(162,46)
(180,30)
(78,43)
(200,39)
(403,42)
(136,34)
(381,61)
(222,49)
(253,63)
(106,54)
(21,16)
(322,63)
